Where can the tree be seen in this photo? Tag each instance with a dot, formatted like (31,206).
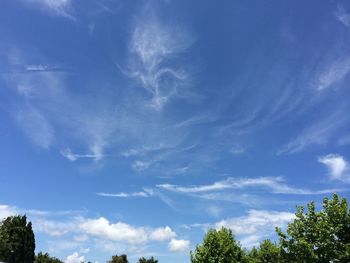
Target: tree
(219,246)
(17,241)
(150,260)
(318,237)
(45,258)
(119,259)
(268,252)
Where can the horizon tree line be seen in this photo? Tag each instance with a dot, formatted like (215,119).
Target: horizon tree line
(313,237)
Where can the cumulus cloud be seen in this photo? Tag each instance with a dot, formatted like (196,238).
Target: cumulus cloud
(6,211)
(179,245)
(69,230)
(256,225)
(74,258)
(141,165)
(162,233)
(119,231)
(337,166)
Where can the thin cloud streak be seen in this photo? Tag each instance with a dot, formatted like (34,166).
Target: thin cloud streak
(67,153)
(335,73)
(319,133)
(125,195)
(275,185)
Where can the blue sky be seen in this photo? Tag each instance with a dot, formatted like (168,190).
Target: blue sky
(134,126)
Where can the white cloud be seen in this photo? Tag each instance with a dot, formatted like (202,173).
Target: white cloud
(41,68)
(67,153)
(36,126)
(318,133)
(75,258)
(119,231)
(6,211)
(256,225)
(343,16)
(53,227)
(336,72)
(213,211)
(179,245)
(46,106)
(273,184)
(255,221)
(336,165)
(141,165)
(152,43)
(125,195)
(237,150)
(162,233)
(55,7)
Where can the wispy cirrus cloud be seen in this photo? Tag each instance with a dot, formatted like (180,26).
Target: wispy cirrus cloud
(126,195)
(343,16)
(36,126)
(335,72)
(274,185)
(318,133)
(46,105)
(153,44)
(67,153)
(54,7)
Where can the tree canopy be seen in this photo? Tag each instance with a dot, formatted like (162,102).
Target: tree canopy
(219,246)
(267,252)
(46,258)
(322,236)
(150,260)
(17,241)
(314,236)
(119,259)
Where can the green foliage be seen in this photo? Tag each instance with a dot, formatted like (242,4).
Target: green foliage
(267,252)
(17,242)
(150,260)
(219,246)
(45,258)
(119,259)
(318,237)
